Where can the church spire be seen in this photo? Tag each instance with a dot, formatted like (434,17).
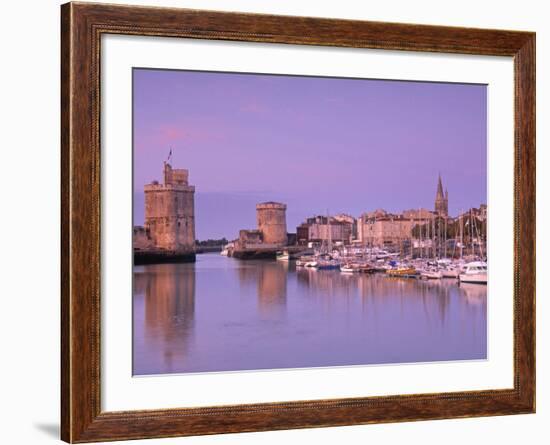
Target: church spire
(441,199)
(439,193)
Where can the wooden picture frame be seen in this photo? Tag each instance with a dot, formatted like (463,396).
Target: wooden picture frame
(82,25)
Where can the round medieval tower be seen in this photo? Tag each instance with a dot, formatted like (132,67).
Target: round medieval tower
(271,218)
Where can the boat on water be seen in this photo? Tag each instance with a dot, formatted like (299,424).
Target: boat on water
(450,272)
(283,256)
(356,268)
(311,263)
(380,266)
(431,274)
(324,264)
(225,249)
(305,260)
(402,271)
(444,262)
(384,255)
(474,272)
(301,257)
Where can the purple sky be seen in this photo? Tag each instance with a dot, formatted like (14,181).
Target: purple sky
(346,145)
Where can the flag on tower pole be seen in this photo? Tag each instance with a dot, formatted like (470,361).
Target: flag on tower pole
(169,154)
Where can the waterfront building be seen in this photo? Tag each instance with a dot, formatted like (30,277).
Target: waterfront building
(422,214)
(169,215)
(479,213)
(350,228)
(319,229)
(378,213)
(483,212)
(385,231)
(302,234)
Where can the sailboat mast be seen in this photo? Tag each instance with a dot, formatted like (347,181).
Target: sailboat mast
(427,238)
(433,237)
(329,228)
(421,240)
(461,234)
(472,248)
(445,239)
(456,232)
(439,237)
(478,237)
(430,238)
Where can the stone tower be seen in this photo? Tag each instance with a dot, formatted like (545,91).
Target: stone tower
(271,218)
(170,212)
(441,200)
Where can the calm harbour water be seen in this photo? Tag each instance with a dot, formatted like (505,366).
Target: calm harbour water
(222,314)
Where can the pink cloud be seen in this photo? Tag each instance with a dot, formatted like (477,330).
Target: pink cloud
(196,132)
(188,134)
(172,133)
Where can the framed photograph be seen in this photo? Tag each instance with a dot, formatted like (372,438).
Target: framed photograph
(274,222)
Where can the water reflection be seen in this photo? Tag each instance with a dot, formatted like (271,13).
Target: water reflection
(164,304)
(474,294)
(224,314)
(269,278)
(272,287)
(378,290)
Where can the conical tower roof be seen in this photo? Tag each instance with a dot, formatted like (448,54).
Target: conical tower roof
(439,194)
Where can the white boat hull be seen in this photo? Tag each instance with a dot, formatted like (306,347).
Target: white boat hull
(345,269)
(431,275)
(450,273)
(479,278)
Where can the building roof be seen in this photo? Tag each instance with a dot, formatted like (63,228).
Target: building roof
(270,203)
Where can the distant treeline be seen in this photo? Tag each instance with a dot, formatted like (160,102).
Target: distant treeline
(211,242)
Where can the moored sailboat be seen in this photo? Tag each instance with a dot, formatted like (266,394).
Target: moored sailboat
(431,274)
